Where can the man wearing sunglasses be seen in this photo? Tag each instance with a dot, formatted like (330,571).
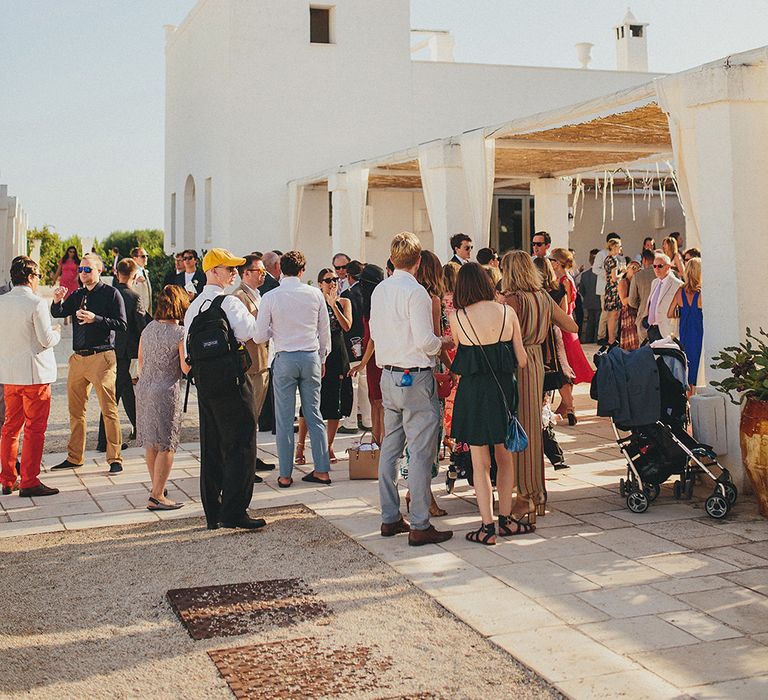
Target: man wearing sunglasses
(340,262)
(461,244)
(97,312)
(663,291)
(540,244)
(142,287)
(192,279)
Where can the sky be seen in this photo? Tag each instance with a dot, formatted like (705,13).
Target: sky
(82,101)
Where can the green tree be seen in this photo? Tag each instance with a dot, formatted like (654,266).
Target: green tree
(52,249)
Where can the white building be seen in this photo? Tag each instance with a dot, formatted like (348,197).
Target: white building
(266,92)
(13,232)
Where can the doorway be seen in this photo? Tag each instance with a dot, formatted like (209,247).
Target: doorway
(512,222)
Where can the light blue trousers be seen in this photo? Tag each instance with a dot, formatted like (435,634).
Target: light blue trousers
(302,371)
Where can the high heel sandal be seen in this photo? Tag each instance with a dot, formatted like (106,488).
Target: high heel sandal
(528,516)
(300,459)
(541,507)
(483,534)
(522,527)
(435,510)
(572,418)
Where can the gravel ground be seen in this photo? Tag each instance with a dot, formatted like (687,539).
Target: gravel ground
(88,617)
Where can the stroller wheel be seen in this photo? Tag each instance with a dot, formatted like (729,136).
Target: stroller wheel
(637,501)
(677,490)
(731,492)
(622,488)
(717,506)
(652,491)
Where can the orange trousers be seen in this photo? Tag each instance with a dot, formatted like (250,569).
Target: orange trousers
(26,405)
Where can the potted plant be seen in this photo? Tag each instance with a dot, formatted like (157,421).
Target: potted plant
(748,384)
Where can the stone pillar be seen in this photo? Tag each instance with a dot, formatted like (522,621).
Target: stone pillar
(727,107)
(551,209)
(348,195)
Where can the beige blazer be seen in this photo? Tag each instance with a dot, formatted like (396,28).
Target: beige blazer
(26,353)
(259,352)
(639,291)
(670,285)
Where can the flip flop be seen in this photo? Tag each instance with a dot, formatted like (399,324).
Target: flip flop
(314,480)
(159,505)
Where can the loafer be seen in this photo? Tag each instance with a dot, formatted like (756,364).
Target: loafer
(392,529)
(115,468)
(246,523)
(262,466)
(66,464)
(39,490)
(417,538)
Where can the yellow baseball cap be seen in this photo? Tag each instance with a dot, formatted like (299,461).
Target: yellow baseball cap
(220,256)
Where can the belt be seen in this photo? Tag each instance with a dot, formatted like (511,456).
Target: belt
(94,351)
(392,368)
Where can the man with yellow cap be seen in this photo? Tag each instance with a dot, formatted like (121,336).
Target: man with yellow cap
(226,421)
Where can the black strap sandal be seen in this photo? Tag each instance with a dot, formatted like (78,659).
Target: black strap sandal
(483,534)
(522,528)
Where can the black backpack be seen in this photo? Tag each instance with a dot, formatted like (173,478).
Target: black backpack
(218,362)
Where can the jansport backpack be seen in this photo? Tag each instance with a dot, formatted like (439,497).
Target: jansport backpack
(216,358)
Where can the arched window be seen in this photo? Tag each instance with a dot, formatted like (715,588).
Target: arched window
(189,213)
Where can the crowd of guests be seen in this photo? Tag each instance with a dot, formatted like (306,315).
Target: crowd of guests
(429,356)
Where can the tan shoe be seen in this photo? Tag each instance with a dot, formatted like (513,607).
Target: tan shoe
(417,538)
(391,529)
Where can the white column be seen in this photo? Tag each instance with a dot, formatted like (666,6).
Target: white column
(349,190)
(445,192)
(726,109)
(551,208)
(478,156)
(295,201)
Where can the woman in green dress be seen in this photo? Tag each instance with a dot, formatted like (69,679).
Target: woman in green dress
(489,349)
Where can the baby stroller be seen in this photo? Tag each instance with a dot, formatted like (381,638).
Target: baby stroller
(460,467)
(656,449)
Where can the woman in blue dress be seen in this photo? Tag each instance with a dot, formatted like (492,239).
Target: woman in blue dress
(687,305)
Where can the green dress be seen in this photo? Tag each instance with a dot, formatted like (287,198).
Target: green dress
(479,415)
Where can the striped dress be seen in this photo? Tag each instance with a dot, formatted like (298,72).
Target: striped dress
(534,309)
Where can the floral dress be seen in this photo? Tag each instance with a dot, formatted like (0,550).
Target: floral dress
(611,299)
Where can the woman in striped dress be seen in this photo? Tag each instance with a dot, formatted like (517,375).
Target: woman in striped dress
(536,310)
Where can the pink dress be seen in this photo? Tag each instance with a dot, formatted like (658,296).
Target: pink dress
(68,277)
(576,358)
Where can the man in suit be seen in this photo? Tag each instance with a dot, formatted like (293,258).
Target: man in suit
(115,259)
(126,344)
(143,287)
(540,244)
(640,290)
(663,291)
(461,245)
(170,276)
(192,279)
(340,263)
(271,260)
(27,369)
(252,274)
(592,305)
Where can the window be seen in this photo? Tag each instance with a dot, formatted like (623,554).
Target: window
(208,213)
(330,214)
(173,219)
(320,25)
(636,29)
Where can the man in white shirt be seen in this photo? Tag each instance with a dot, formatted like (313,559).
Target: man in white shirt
(27,369)
(663,290)
(226,419)
(294,315)
(540,244)
(598,267)
(340,262)
(461,245)
(406,348)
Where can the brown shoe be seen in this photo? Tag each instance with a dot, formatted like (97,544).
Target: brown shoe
(416,538)
(392,529)
(39,490)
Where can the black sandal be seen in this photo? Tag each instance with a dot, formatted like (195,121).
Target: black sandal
(483,534)
(523,528)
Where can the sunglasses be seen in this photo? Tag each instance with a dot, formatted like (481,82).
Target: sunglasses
(186,257)
(228,268)
(331,280)
(340,267)
(660,267)
(536,244)
(85,269)
(257,269)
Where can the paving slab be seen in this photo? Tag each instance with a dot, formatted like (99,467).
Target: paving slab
(632,601)
(637,634)
(637,685)
(693,585)
(700,625)
(611,569)
(691,564)
(756,579)
(738,607)
(633,543)
(740,556)
(755,688)
(538,579)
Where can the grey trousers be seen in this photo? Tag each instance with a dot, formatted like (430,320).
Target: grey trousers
(302,370)
(412,415)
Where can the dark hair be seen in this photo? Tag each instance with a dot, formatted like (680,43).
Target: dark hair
(485,255)
(430,274)
(126,267)
(612,236)
(450,272)
(257,254)
(547,237)
(472,285)
(354,268)
(249,260)
(190,251)
(292,263)
(692,253)
(65,257)
(172,303)
(390,265)
(340,255)
(457,239)
(278,252)
(180,254)
(21,268)
(321,275)
(649,238)
(647,255)
(675,235)
(370,278)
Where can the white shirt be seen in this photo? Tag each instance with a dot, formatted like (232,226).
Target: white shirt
(188,277)
(598,267)
(401,323)
(343,284)
(295,316)
(26,354)
(242,323)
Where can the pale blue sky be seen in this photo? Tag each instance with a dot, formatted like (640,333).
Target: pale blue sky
(81,112)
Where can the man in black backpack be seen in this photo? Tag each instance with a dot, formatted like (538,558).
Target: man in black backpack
(216,327)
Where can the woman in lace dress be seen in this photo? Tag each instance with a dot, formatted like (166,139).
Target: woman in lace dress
(158,391)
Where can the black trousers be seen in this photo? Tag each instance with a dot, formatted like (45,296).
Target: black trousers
(589,325)
(552,448)
(253,452)
(124,393)
(226,463)
(267,417)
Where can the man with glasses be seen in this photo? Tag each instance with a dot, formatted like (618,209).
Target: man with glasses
(192,279)
(143,287)
(226,417)
(173,273)
(640,290)
(540,244)
(663,290)
(461,245)
(340,262)
(252,274)
(97,312)
(27,369)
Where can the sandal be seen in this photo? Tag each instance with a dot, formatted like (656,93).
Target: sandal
(435,510)
(332,458)
(283,485)
(159,505)
(523,526)
(300,459)
(483,534)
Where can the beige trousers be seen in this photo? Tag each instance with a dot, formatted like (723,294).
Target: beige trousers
(98,371)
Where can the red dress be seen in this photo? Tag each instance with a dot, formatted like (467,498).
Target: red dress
(372,371)
(576,358)
(68,277)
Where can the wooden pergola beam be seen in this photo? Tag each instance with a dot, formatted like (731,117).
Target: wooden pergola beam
(594,147)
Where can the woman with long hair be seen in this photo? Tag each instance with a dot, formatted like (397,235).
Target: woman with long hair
(336,386)
(489,348)
(162,364)
(687,304)
(670,247)
(614,265)
(536,310)
(628,317)
(66,271)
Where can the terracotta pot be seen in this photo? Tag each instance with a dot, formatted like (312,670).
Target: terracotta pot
(754,449)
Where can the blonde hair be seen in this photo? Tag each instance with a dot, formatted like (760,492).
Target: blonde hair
(548,277)
(405,250)
(671,245)
(494,273)
(450,273)
(613,244)
(518,273)
(693,275)
(430,274)
(563,256)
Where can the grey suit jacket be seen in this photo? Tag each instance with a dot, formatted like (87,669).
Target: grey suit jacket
(639,291)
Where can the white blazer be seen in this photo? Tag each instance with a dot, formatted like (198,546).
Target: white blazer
(27,339)
(667,326)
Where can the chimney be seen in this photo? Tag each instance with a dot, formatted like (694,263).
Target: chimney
(631,44)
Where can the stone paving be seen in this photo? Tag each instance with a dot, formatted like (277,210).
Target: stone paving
(599,601)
